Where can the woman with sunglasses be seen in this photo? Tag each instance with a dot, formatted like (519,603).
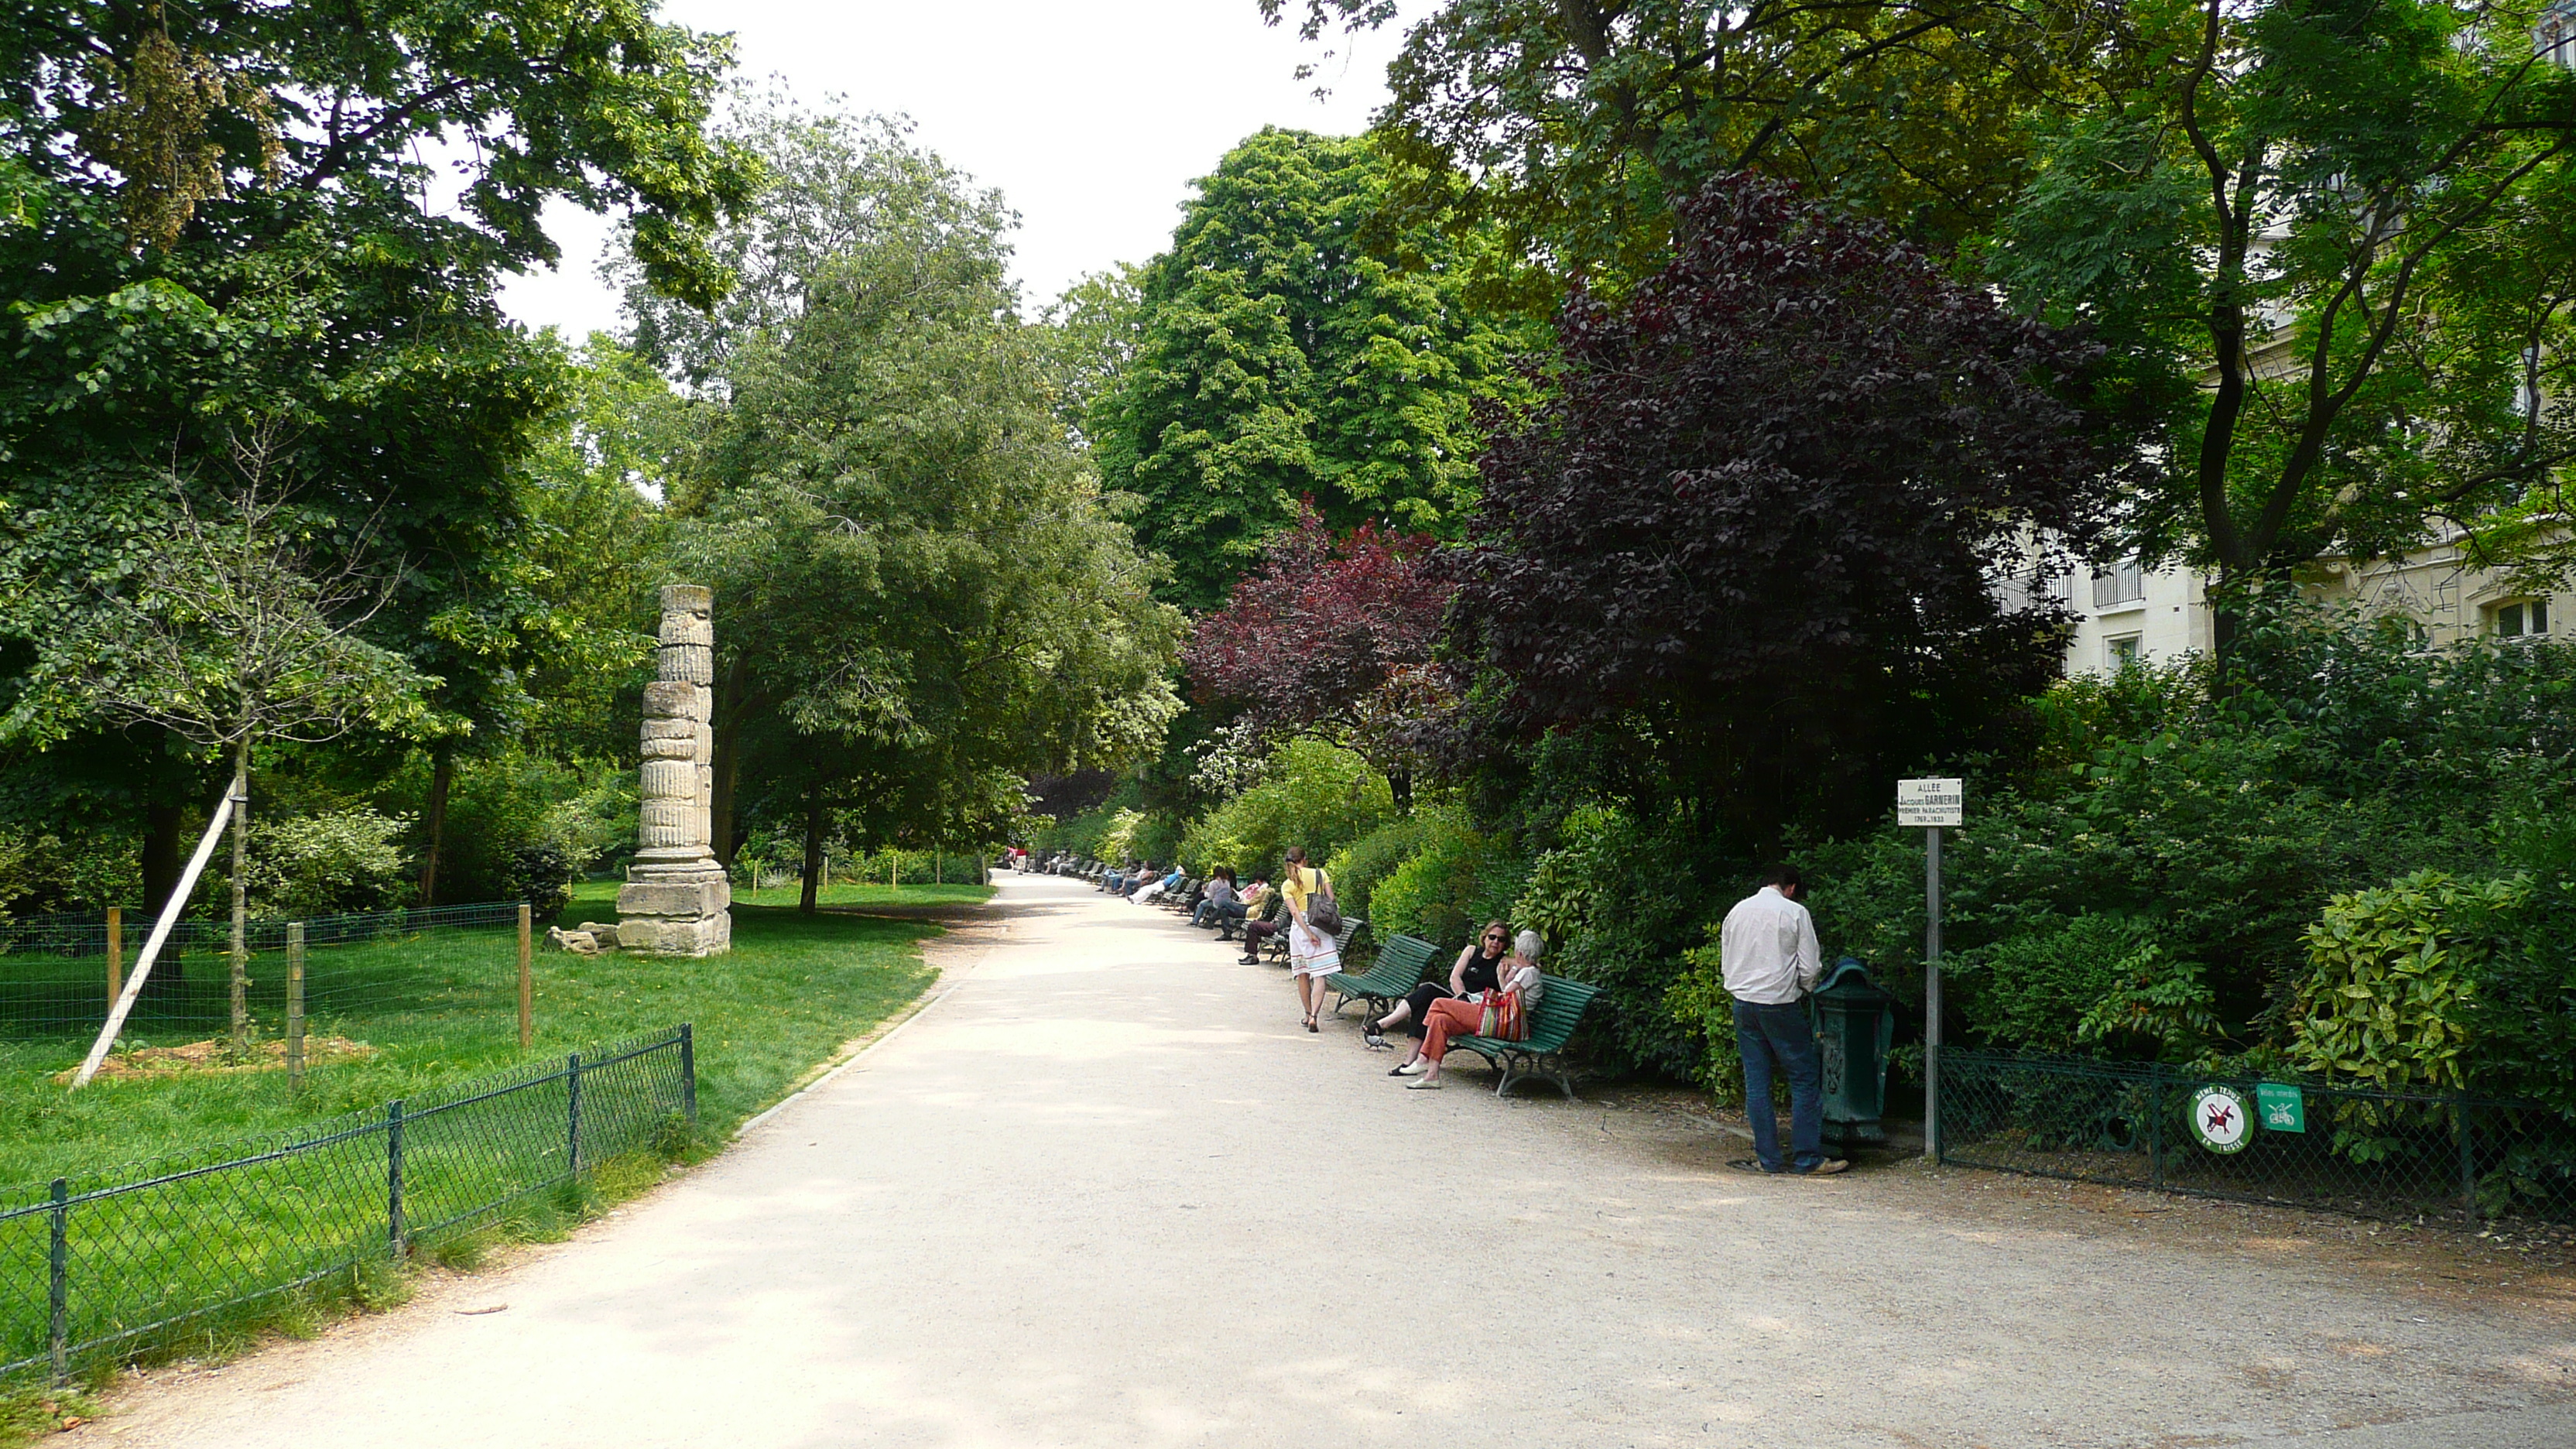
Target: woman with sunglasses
(1474,974)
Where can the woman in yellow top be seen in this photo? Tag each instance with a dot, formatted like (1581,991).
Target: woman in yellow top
(1312,955)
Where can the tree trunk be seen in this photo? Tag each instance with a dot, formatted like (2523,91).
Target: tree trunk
(241,899)
(807,899)
(1399,784)
(728,761)
(442,775)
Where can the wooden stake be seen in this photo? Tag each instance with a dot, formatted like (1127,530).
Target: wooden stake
(115,953)
(294,1005)
(527,984)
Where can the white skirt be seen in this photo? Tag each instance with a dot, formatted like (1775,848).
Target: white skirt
(1306,958)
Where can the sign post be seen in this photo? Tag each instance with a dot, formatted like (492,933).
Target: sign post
(1931,805)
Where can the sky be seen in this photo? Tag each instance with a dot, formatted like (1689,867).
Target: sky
(1092,118)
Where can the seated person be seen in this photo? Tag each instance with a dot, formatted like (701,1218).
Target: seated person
(1156,890)
(1272,919)
(1218,902)
(1461,1017)
(1254,901)
(1474,974)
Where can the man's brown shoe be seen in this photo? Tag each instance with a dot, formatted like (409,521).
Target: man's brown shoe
(1826,1168)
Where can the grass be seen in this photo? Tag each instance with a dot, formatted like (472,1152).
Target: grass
(845,894)
(793,990)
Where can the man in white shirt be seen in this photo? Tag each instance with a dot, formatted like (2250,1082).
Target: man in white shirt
(1770,960)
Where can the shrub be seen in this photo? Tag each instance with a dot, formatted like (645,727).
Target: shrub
(2029,992)
(2390,975)
(1359,866)
(1312,793)
(1457,879)
(328,864)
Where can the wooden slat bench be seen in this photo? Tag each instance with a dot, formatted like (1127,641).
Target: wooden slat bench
(1401,963)
(1541,1056)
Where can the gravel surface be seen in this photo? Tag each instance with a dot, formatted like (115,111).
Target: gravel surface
(1106,1191)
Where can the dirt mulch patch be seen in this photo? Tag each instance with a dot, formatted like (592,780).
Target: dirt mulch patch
(215,1056)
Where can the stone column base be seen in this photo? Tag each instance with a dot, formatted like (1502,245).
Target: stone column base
(681,913)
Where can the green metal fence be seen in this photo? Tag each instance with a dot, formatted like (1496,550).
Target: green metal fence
(118,1263)
(2282,1140)
(55,971)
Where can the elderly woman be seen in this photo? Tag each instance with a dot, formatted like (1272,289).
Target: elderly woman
(1473,974)
(1455,1017)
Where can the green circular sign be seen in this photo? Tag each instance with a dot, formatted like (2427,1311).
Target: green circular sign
(2220,1119)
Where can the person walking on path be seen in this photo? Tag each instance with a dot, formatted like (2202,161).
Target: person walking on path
(1770,960)
(1313,954)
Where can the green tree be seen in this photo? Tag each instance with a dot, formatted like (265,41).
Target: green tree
(1277,357)
(920,598)
(2333,246)
(215,217)
(1573,127)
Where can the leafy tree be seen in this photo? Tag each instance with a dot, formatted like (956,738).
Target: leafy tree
(921,599)
(1767,509)
(1582,125)
(1331,636)
(2335,244)
(1278,358)
(215,215)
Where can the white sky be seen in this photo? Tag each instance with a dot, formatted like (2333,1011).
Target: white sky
(1092,118)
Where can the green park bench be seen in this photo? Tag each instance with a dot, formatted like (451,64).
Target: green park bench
(1541,1055)
(1401,962)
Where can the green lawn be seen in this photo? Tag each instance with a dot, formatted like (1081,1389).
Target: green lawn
(444,1006)
(871,895)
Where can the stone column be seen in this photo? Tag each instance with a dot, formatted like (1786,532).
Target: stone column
(676,902)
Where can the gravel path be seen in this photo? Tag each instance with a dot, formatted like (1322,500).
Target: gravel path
(1105,1191)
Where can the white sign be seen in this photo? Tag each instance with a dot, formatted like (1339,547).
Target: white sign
(1929,802)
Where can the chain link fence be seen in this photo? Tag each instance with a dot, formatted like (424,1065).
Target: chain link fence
(115,1264)
(56,972)
(2281,1140)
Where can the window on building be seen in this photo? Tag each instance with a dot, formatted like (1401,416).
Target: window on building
(2120,584)
(2558,37)
(2522,620)
(2121,651)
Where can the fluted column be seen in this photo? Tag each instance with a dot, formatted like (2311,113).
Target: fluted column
(677,902)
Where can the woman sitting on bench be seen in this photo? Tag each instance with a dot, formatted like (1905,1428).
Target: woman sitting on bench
(1473,975)
(1462,1017)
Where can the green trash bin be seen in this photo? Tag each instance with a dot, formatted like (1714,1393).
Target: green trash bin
(1855,1024)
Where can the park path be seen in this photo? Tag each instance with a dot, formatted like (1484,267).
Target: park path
(1105,1191)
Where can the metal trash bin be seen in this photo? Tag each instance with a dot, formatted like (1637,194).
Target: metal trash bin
(1855,1024)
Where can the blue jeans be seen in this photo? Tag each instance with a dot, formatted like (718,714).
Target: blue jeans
(1210,911)
(1777,1038)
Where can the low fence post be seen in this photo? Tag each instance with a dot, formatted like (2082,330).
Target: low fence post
(58,1300)
(294,1006)
(2468,1156)
(527,982)
(2155,1125)
(572,1112)
(394,1176)
(689,1071)
(115,953)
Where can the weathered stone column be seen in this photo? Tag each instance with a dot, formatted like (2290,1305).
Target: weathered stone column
(676,903)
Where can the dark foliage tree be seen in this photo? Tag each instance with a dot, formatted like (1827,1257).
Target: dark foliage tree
(1332,636)
(1788,507)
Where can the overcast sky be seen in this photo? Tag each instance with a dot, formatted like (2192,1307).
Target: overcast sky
(1091,118)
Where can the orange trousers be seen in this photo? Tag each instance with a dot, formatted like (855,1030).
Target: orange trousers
(1450,1017)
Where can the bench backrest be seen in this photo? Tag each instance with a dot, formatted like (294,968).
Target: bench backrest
(1560,1007)
(1411,954)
